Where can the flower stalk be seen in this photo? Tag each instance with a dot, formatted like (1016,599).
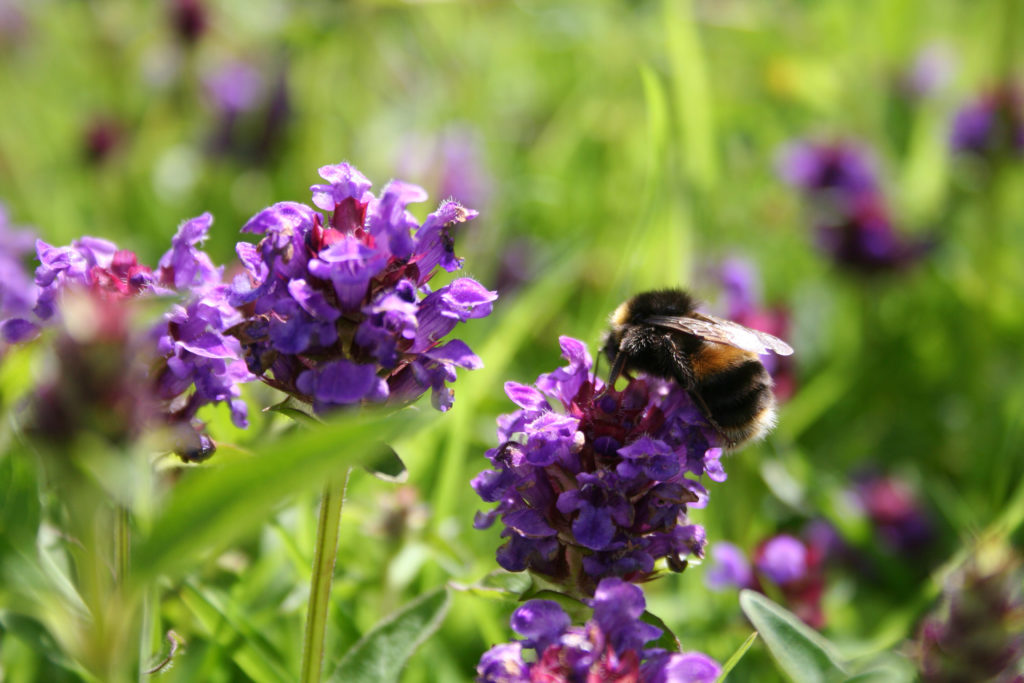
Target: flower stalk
(325,555)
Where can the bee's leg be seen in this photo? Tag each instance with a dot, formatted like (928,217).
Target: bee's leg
(617,365)
(699,400)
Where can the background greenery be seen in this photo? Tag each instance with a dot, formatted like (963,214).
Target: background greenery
(612,146)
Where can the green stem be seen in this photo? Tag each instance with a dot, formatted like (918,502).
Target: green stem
(122,544)
(324,556)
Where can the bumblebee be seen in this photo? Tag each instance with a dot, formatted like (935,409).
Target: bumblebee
(716,361)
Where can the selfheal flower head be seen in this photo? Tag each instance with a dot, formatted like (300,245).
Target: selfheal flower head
(977,633)
(610,646)
(852,224)
(991,125)
(841,169)
(893,508)
(192,363)
(589,488)
(862,238)
(339,310)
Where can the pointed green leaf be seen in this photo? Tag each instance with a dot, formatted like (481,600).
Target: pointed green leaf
(731,663)
(801,652)
(382,653)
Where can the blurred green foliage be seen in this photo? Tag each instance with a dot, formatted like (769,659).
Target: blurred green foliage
(611,147)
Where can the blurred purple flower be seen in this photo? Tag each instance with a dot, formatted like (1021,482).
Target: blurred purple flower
(977,634)
(839,169)
(235,87)
(193,362)
(848,209)
(792,567)
(189,19)
(253,109)
(895,512)
(18,292)
(930,72)
(103,135)
(864,240)
(451,161)
(339,312)
(609,647)
(782,559)
(729,567)
(991,125)
(597,488)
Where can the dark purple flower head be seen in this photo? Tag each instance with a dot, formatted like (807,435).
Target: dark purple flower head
(609,647)
(338,309)
(188,19)
(591,488)
(977,634)
(991,125)
(102,137)
(838,169)
(862,239)
(896,513)
(848,208)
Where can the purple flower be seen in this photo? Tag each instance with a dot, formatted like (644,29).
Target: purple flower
(599,487)
(991,125)
(896,513)
(609,647)
(729,569)
(840,169)
(847,207)
(188,19)
(338,310)
(18,292)
(235,87)
(192,362)
(790,567)
(863,239)
(976,634)
(783,559)
(930,72)
(453,160)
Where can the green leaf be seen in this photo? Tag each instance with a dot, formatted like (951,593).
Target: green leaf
(382,653)
(213,507)
(731,663)
(802,653)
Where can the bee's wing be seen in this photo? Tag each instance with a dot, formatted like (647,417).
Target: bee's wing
(721,331)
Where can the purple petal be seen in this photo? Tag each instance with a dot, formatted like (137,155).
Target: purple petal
(783,559)
(729,567)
